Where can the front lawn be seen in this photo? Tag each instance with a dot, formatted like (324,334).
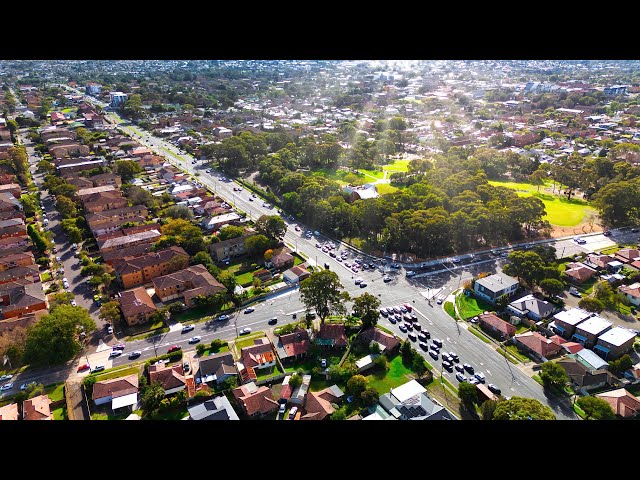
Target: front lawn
(60,413)
(513,350)
(470,306)
(247,341)
(55,391)
(45,277)
(117,373)
(384,188)
(178,414)
(397,375)
(245,278)
(213,351)
(449,308)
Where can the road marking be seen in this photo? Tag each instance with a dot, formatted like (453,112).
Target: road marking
(488,372)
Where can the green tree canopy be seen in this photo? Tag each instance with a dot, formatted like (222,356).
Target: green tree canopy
(520,408)
(366,307)
(596,408)
(468,394)
(356,385)
(553,374)
(272,226)
(323,292)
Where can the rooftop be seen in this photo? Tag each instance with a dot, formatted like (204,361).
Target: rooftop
(595,325)
(617,336)
(572,316)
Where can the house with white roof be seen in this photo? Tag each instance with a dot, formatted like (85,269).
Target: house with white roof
(587,332)
(411,402)
(492,287)
(564,323)
(614,343)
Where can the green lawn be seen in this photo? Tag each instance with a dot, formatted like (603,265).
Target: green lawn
(45,277)
(479,334)
(178,414)
(579,411)
(264,373)
(397,166)
(469,306)
(338,175)
(378,175)
(384,188)
(116,373)
(448,307)
(560,211)
(396,376)
(212,351)
(297,259)
(60,413)
(244,278)
(513,350)
(55,391)
(247,341)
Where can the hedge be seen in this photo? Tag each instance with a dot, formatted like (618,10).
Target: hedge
(173,357)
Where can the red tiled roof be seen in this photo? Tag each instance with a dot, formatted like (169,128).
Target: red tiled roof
(375,334)
(497,323)
(572,347)
(169,378)
(259,401)
(318,404)
(538,343)
(37,408)
(285,392)
(622,402)
(295,343)
(115,387)
(333,331)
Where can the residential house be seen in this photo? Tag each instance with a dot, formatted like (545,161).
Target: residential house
(299,394)
(539,346)
(125,241)
(388,343)
(492,287)
(614,343)
(231,248)
(217,368)
(255,400)
(79,182)
(217,408)
(591,360)
(119,216)
(37,408)
(214,223)
(296,274)
(19,298)
(531,307)
(597,261)
(20,259)
(627,255)
(70,150)
(136,305)
(141,152)
(171,378)
(141,269)
(85,193)
(8,202)
(149,161)
(587,332)
(12,188)
(15,242)
(282,260)
(14,227)
(294,345)
(6,178)
(112,257)
(622,402)
(578,272)
(411,402)
(255,357)
(187,283)
(9,412)
(7,215)
(584,377)
(104,200)
(332,335)
(632,292)
(496,326)
(29,272)
(120,392)
(318,405)
(73,166)
(564,323)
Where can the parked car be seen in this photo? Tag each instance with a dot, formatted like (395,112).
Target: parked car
(383,312)
(412,336)
(447,365)
(473,381)
(386,279)
(574,291)
(323,363)
(174,348)
(392,319)
(363,284)
(84,366)
(461,377)
(467,367)
(110,330)
(8,376)
(281,409)
(245,330)
(479,376)
(494,389)
(115,353)
(434,354)
(454,356)
(292,413)
(438,342)
(459,368)
(402,328)
(424,345)
(273,321)
(97,368)
(223,318)
(74,303)
(6,386)
(119,346)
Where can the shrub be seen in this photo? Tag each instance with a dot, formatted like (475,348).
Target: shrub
(217,343)
(173,357)
(200,348)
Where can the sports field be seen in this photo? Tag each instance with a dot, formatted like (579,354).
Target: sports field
(560,211)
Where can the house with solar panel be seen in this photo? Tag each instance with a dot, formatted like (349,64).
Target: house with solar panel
(410,402)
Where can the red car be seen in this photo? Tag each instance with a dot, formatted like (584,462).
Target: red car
(407,306)
(175,348)
(84,366)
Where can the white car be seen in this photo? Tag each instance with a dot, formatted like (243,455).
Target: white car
(245,330)
(74,303)
(195,339)
(115,353)
(57,259)
(6,386)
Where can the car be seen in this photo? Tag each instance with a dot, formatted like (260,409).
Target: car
(408,307)
(397,316)
(426,333)
(402,328)
(174,348)
(245,330)
(454,356)
(187,328)
(635,230)
(434,347)
(395,309)
(64,280)
(323,363)
(438,342)
(412,336)
(606,233)
(455,260)
(479,376)
(119,346)
(74,303)
(422,337)
(439,301)
(223,318)
(135,354)
(417,326)
(395,265)
(273,321)
(413,316)
(467,367)
(403,309)
(407,318)
(459,368)
(57,259)
(6,386)
(338,258)
(445,357)
(208,170)
(195,339)
(292,413)
(383,312)
(447,365)
(392,319)
(434,354)
(365,266)
(494,389)
(115,353)
(98,368)
(24,386)
(424,345)
(473,381)
(74,246)
(461,377)
(110,330)
(282,408)
(474,320)
(347,264)
(254,195)
(579,241)
(249,310)
(55,250)
(296,228)
(386,279)
(363,284)
(84,366)
(408,325)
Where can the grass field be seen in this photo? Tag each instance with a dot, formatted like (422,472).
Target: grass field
(123,372)
(396,376)
(55,391)
(373,173)
(449,308)
(397,166)
(384,188)
(560,211)
(470,306)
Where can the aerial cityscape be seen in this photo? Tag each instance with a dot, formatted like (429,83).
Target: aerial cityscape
(319,240)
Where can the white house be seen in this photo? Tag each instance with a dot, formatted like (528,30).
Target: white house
(121,392)
(494,286)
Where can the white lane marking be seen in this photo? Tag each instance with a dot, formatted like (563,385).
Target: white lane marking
(488,372)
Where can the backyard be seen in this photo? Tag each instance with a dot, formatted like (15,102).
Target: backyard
(398,374)
(560,211)
(469,306)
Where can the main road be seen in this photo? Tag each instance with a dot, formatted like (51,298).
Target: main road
(512,379)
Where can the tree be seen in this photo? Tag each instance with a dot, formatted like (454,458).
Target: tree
(38,239)
(74,234)
(272,226)
(553,374)
(591,304)
(382,363)
(151,396)
(487,409)
(110,312)
(29,204)
(12,125)
(57,299)
(179,211)
(620,365)
(551,286)
(356,385)
(140,196)
(54,339)
(66,207)
(230,231)
(257,245)
(92,269)
(369,397)
(127,169)
(468,394)
(366,308)
(520,408)
(268,255)
(322,291)
(339,414)
(419,365)
(596,408)
(295,381)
